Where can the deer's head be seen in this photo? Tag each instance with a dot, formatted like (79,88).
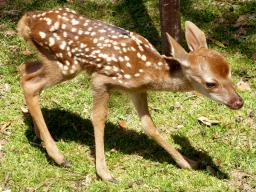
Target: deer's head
(207,70)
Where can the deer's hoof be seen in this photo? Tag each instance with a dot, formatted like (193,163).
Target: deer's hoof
(106,176)
(66,164)
(113,180)
(193,164)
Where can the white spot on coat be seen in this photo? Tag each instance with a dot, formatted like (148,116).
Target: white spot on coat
(126,58)
(51,41)
(73,29)
(127,76)
(56,25)
(49,21)
(42,34)
(63,26)
(102,31)
(65,34)
(63,45)
(74,22)
(148,63)
(128,65)
(143,57)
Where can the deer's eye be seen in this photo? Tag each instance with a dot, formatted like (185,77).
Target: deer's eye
(210,85)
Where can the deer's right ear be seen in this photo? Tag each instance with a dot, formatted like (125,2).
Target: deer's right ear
(195,37)
(177,51)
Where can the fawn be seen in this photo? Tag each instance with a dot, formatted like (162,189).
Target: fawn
(68,43)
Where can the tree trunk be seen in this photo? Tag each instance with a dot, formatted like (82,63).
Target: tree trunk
(170,21)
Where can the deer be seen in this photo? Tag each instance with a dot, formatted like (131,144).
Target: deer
(116,59)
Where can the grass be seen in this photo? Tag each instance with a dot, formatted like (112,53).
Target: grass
(227,151)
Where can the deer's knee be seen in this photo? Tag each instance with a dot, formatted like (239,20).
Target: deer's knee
(148,126)
(30,67)
(31,77)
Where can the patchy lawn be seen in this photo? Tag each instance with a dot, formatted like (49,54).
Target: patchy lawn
(226,149)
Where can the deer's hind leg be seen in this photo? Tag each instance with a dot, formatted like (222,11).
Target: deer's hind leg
(35,76)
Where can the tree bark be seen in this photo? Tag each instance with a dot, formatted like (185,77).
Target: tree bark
(170,21)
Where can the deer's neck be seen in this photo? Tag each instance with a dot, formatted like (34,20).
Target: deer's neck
(172,79)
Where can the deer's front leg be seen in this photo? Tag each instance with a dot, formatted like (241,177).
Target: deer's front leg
(99,116)
(140,102)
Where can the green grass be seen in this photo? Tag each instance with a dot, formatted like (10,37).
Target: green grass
(227,150)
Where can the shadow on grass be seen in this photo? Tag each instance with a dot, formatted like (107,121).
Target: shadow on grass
(69,126)
(202,157)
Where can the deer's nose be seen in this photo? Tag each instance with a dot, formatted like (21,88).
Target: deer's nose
(236,103)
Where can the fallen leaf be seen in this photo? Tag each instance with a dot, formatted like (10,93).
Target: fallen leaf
(4,88)
(177,105)
(216,42)
(251,113)
(218,162)
(130,184)
(179,126)
(14,48)
(24,109)
(139,182)
(250,143)
(240,19)
(197,94)
(241,179)
(7,87)
(247,78)
(27,52)
(241,31)
(113,150)
(2,26)
(122,124)
(156,109)
(206,121)
(3,128)
(10,33)
(7,190)
(238,119)
(115,1)
(2,143)
(87,180)
(243,86)
(238,175)
(246,20)
(9,13)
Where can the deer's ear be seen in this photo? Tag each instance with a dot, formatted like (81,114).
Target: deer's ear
(195,37)
(177,51)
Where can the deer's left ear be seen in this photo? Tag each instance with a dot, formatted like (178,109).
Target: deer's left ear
(195,37)
(177,51)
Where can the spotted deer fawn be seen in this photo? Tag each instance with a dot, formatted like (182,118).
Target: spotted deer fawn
(68,43)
